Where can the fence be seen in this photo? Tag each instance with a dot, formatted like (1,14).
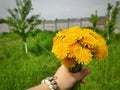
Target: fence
(4,28)
(59,24)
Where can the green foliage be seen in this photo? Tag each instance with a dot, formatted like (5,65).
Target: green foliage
(19,20)
(93,19)
(41,41)
(112,12)
(2,21)
(19,72)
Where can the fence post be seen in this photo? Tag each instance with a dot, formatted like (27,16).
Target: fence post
(44,24)
(80,22)
(56,24)
(68,22)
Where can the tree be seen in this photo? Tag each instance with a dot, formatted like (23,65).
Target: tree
(111,18)
(93,19)
(21,22)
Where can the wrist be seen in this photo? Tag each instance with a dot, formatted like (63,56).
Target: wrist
(58,84)
(51,82)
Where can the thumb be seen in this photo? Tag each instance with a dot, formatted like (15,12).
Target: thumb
(82,74)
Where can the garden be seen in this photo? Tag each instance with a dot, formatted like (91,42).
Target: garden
(26,57)
(19,71)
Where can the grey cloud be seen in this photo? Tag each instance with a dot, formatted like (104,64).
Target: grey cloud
(51,9)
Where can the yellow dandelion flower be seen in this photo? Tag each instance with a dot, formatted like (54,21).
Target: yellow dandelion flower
(69,62)
(62,33)
(94,34)
(74,29)
(101,51)
(83,56)
(57,40)
(70,39)
(90,31)
(60,50)
(80,34)
(98,37)
(89,41)
(73,49)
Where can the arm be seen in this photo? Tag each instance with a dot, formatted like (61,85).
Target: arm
(65,79)
(42,86)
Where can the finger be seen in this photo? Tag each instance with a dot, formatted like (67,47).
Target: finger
(80,75)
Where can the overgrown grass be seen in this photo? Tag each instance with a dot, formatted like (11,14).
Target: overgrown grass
(19,71)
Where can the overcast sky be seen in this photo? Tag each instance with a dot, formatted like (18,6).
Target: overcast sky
(61,9)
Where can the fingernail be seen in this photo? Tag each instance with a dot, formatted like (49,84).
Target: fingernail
(87,71)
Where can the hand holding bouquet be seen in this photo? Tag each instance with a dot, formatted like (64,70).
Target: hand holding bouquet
(77,46)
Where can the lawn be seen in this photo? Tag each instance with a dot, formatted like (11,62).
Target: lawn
(19,71)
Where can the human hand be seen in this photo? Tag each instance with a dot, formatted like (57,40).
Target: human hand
(66,79)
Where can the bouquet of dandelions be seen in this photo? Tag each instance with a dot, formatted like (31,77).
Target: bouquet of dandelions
(77,46)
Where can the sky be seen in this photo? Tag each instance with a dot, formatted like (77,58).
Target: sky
(61,9)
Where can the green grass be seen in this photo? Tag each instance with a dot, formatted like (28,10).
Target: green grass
(19,71)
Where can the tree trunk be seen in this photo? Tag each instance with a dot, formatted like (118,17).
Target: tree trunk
(108,36)
(26,48)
